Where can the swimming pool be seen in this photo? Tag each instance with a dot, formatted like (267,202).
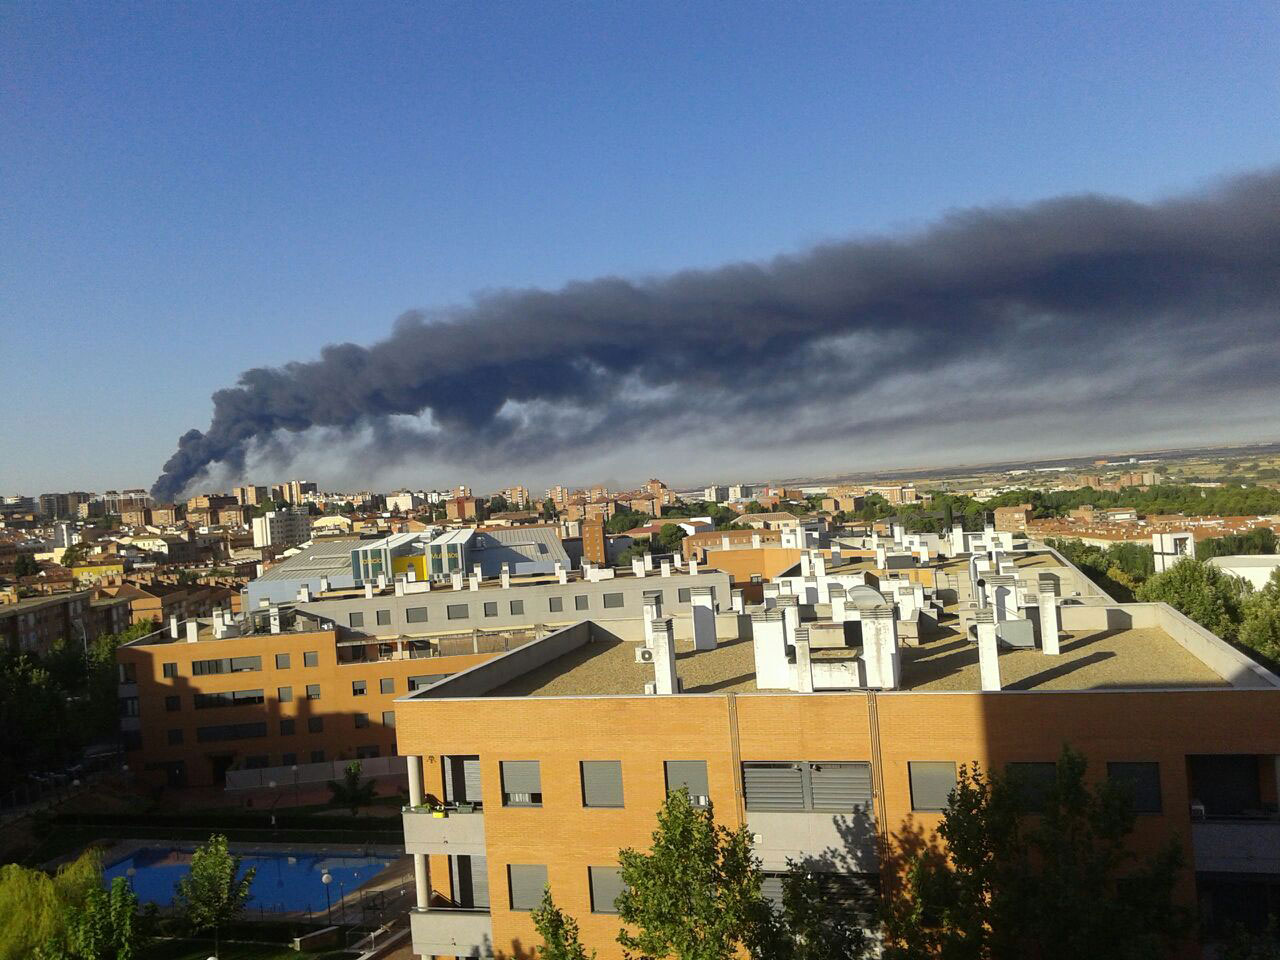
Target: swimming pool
(284,882)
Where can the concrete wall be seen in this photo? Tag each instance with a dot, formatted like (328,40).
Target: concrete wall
(535,598)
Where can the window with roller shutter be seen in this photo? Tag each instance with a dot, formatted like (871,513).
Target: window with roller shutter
(843,787)
(601,783)
(521,783)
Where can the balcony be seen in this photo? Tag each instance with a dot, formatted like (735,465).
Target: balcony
(1236,845)
(458,832)
(451,932)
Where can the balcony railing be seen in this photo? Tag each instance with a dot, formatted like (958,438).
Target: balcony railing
(1237,845)
(458,831)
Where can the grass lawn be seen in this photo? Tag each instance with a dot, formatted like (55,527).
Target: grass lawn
(202,949)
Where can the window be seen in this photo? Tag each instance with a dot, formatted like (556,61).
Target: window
(201,668)
(175,737)
(1034,782)
(362,721)
(684,594)
(456,611)
(311,659)
(580,602)
(517,608)
(521,784)
(358,688)
(288,759)
(555,604)
(491,609)
(355,619)
(230,731)
(228,698)
(601,783)
(388,718)
(931,783)
(170,669)
(612,601)
(691,774)
(384,617)
(1143,781)
(387,685)
(173,704)
(367,752)
(282,661)
(284,694)
(317,756)
(606,887)
(313,691)
(128,673)
(415,615)
(315,724)
(287,726)
(526,882)
(128,706)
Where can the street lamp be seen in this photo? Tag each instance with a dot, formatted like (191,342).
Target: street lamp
(328,904)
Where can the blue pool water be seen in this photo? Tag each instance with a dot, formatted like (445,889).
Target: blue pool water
(284,881)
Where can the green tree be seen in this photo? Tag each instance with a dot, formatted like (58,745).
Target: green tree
(25,565)
(1037,873)
(1260,628)
(669,537)
(212,892)
(1204,593)
(559,933)
(352,791)
(1244,944)
(814,923)
(625,520)
(696,894)
(104,927)
(637,549)
(36,908)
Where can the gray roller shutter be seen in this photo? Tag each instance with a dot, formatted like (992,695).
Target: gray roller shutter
(606,887)
(931,783)
(470,881)
(771,889)
(841,786)
(526,882)
(601,783)
(688,773)
(462,780)
(773,786)
(521,781)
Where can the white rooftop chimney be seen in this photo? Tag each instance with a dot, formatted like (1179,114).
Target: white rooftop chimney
(769,643)
(173,626)
(880,631)
(693,568)
(806,564)
(274,616)
(562,575)
(988,652)
(1049,625)
(736,601)
(193,630)
(637,567)
(399,586)
(652,612)
(804,662)
(755,541)
(304,594)
(324,584)
(382,581)
(664,657)
(648,562)
(455,579)
(666,568)
(506,576)
(368,590)
(704,618)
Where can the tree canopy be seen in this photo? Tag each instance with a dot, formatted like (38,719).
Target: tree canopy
(213,892)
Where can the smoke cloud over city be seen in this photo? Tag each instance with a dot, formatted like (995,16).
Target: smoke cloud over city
(1073,306)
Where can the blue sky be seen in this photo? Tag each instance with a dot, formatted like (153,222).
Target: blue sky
(190,190)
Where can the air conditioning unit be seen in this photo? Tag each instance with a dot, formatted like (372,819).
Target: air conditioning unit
(644,655)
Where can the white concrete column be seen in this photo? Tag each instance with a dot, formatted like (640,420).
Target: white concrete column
(664,657)
(988,651)
(421,881)
(704,618)
(1049,625)
(415,779)
(652,611)
(768,638)
(804,662)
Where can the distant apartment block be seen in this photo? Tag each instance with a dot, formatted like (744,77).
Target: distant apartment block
(281,528)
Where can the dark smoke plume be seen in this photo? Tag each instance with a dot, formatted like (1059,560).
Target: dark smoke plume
(1174,299)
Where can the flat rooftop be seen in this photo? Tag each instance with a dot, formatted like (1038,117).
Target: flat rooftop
(1089,660)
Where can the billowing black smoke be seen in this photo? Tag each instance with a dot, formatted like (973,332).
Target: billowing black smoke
(1067,288)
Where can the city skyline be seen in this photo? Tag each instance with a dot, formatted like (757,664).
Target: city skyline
(900,126)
